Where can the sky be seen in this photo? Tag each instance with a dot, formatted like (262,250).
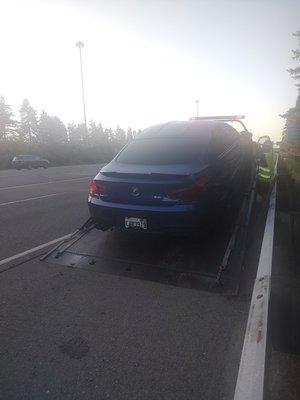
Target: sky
(148,61)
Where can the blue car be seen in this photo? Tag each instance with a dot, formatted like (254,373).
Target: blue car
(171,177)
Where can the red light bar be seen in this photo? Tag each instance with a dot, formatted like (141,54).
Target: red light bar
(219,117)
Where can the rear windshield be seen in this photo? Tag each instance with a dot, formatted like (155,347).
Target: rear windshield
(162,151)
(179,129)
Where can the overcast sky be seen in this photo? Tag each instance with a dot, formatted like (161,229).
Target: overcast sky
(147,61)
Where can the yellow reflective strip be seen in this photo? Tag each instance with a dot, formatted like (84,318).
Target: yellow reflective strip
(264,176)
(264,172)
(264,169)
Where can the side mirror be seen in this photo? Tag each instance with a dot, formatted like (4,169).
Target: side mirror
(263,139)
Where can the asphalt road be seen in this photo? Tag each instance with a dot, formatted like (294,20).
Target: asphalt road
(40,205)
(79,334)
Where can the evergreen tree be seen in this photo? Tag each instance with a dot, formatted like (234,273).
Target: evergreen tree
(43,128)
(92,131)
(83,133)
(96,133)
(73,134)
(28,127)
(295,72)
(59,131)
(291,131)
(129,135)
(120,135)
(108,132)
(51,129)
(7,124)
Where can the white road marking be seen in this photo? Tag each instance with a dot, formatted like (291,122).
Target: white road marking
(251,381)
(45,183)
(34,249)
(31,198)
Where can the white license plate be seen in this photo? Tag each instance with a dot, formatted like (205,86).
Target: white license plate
(137,223)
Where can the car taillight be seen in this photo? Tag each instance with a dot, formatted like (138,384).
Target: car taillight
(191,193)
(97,189)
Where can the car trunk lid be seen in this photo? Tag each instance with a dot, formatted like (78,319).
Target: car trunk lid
(144,185)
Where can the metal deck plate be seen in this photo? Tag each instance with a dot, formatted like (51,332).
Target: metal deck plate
(188,261)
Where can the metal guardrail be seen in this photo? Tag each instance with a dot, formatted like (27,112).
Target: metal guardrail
(250,383)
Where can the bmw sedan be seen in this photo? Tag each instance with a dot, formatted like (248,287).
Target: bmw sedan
(171,177)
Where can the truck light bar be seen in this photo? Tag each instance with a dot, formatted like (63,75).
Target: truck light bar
(224,118)
(220,117)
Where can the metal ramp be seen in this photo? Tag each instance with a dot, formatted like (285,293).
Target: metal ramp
(211,261)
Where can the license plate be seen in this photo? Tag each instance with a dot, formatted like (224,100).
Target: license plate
(136,223)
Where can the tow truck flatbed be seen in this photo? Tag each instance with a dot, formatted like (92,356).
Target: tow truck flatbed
(211,260)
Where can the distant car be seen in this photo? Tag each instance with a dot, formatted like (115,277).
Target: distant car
(172,177)
(29,161)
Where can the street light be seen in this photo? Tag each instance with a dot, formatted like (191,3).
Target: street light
(80,45)
(197,105)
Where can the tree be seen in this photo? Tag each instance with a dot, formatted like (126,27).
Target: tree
(28,127)
(73,134)
(120,135)
(51,129)
(43,128)
(129,135)
(291,131)
(83,133)
(7,124)
(108,132)
(78,134)
(295,72)
(96,133)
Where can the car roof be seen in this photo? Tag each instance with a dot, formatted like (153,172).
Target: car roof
(26,155)
(177,129)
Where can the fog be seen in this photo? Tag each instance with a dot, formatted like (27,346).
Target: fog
(147,62)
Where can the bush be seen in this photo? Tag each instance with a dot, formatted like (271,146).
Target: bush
(59,153)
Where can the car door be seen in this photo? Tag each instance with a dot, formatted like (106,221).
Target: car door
(38,162)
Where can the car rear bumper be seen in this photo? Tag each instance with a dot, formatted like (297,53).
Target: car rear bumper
(159,218)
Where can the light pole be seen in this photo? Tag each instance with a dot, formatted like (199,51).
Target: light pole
(80,45)
(197,105)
